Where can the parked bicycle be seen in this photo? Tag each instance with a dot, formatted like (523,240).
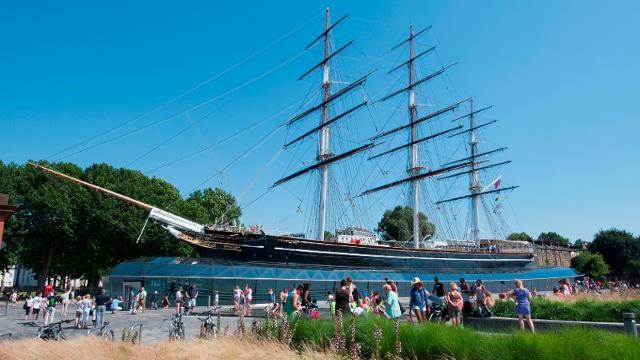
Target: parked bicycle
(104,332)
(177,328)
(208,325)
(6,336)
(52,331)
(132,334)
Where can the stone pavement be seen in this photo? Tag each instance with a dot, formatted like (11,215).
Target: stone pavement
(155,323)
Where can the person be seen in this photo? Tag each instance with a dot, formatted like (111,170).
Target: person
(331,300)
(523,305)
(115,305)
(480,291)
(47,289)
(78,306)
(101,301)
(489,300)
(50,309)
(165,302)
(216,299)
(86,310)
(13,298)
(141,300)
(565,287)
(35,307)
(464,289)
(342,298)
(66,300)
(418,300)
(351,287)
(153,298)
(193,297)
(179,300)
(283,299)
(236,298)
(28,303)
(132,300)
(248,296)
(438,288)
(306,295)
(293,301)
(392,305)
(454,304)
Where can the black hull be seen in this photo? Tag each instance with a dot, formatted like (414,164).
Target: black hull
(291,252)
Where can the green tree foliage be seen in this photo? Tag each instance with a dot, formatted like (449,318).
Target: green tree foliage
(618,248)
(521,236)
(397,224)
(593,265)
(63,229)
(328,236)
(553,239)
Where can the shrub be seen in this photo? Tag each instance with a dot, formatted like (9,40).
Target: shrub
(580,310)
(433,341)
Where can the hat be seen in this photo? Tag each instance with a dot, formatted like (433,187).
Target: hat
(416,280)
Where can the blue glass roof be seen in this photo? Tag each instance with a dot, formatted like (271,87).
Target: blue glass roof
(209,268)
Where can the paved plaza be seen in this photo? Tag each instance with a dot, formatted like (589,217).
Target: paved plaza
(155,323)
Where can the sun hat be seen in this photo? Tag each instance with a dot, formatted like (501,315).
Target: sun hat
(415,280)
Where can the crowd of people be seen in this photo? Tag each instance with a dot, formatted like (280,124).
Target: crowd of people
(452,301)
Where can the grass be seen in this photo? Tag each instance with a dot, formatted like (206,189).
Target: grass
(93,348)
(442,342)
(582,309)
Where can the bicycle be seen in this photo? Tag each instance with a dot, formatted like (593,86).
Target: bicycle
(132,333)
(208,326)
(6,336)
(176,331)
(105,332)
(52,331)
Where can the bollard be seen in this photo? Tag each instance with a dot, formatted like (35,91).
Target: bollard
(209,302)
(6,309)
(140,335)
(630,324)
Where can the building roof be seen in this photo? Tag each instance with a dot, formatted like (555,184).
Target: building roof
(210,268)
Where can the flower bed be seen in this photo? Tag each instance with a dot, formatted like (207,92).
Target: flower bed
(375,338)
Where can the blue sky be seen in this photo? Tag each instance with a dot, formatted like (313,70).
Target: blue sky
(562,77)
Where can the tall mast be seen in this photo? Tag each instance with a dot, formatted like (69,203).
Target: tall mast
(413,151)
(474,184)
(323,149)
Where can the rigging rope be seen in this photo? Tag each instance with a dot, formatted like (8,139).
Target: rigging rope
(189,91)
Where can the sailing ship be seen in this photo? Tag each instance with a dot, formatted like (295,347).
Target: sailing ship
(470,255)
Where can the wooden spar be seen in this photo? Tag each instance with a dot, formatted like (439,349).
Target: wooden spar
(412,59)
(324,61)
(476,169)
(415,142)
(124,198)
(417,82)
(474,155)
(478,194)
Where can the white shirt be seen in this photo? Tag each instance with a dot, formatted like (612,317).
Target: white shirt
(36,302)
(29,302)
(178,295)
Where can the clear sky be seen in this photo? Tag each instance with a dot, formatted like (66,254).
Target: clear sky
(562,76)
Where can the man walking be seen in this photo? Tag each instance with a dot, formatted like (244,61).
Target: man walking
(193,296)
(50,311)
(101,307)
(142,297)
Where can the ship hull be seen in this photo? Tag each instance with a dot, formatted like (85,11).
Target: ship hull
(292,252)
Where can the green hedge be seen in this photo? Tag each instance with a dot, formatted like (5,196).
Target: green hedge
(581,310)
(434,341)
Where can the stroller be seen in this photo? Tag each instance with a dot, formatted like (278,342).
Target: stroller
(438,309)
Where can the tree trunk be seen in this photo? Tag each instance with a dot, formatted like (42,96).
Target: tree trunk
(2,282)
(44,273)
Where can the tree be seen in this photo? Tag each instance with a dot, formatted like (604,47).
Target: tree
(553,238)
(63,229)
(618,248)
(397,224)
(328,236)
(521,236)
(592,265)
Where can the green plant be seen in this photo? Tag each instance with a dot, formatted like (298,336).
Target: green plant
(580,310)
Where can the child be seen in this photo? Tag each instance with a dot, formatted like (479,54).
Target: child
(28,303)
(78,305)
(86,309)
(332,302)
(35,307)
(454,304)
(216,300)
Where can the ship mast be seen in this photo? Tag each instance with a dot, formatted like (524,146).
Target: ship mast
(413,153)
(474,185)
(323,150)
(324,155)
